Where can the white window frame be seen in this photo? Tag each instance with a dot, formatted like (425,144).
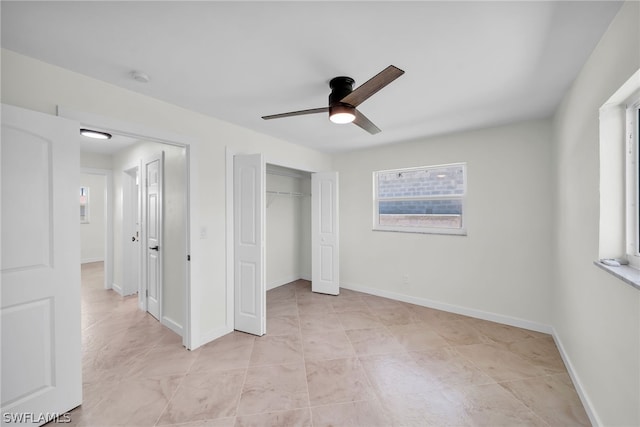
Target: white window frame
(462,231)
(632,135)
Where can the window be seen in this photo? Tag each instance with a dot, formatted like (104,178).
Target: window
(633,184)
(428,199)
(84,205)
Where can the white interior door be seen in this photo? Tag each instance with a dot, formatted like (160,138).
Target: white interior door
(40,310)
(249,278)
(153,174)
(131,232)
(325,253)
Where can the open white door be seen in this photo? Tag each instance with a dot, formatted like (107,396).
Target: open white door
(131,232)
(152,218)
(249,279)
(325,253)
(40,311)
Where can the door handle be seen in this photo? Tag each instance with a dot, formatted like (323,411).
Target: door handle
(154,248)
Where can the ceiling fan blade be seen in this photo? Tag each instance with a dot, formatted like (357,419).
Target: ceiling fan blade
(297,113)
(373,85)
(366,124)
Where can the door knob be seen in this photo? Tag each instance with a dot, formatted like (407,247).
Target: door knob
(154,248)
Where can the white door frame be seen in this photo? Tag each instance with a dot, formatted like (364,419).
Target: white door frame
(191,335)
(108,229)
(131,194)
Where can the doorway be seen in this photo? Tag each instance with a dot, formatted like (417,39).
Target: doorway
(246,199)
(175,308)
(96,234)
(131,212)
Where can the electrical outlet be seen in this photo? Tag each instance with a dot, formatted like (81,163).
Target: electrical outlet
(203,232)
(405,279)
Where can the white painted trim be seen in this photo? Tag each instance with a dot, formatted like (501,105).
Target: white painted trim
(172,324)
(117,288)
(280,282)
(188,302)
(166,137)
(214,334)
(94,259)
(121,127)
(584,398)
(305,277)
(465,311)
(230,290)
(108,217)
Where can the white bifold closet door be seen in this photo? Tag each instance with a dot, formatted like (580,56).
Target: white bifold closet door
(325,250)
(249,258)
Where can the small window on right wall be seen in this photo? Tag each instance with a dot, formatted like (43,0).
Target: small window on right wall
(427,199)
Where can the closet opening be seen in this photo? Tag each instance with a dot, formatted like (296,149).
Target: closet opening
(283,227)
(288,226)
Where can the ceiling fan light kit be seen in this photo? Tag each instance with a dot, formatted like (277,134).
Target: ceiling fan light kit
(343,99)
(342,114)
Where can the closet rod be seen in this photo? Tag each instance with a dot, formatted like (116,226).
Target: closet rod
(286,193)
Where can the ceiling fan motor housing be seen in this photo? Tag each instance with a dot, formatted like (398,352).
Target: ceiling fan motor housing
(340,87)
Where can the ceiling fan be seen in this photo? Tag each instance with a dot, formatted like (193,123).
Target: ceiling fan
(343,99)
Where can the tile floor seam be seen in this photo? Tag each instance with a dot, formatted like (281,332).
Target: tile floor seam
(170,399)
(244,381)
(519,399)
(475,365)
(376,395)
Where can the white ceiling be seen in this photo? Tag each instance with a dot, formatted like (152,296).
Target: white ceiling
(109,147)
(468,64)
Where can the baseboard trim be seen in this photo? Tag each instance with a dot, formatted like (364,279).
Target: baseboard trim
(172,324)
(277,283)
(465,311)
(117,288)
(584,398)
(89,260)
(212,335)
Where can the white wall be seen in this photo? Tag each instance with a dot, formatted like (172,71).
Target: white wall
(596,316)
(501,269)
(38,86)
(174,231)
(92,234)
(283,231)
(95,160)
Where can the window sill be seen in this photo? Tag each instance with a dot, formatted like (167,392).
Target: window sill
(443,231)
(625,273)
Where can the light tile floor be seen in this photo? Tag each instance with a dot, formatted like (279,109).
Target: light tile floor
(350,360)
